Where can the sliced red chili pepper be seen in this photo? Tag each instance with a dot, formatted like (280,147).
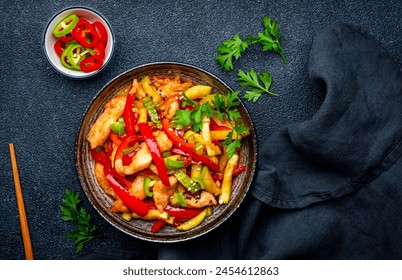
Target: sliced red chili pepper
(59,47)
(183,213)
(85,34)
(214,126)
(67,38)
(91,63)
(206,161)
(239,169)
(99,156)
(176,140)
(218,176)
(101,31)
(158,225)
(99,49)
(146,131)
(133,203)
(128,115)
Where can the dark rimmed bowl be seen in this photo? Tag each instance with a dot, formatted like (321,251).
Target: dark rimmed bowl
(101,201)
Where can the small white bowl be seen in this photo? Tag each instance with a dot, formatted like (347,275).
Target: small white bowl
(49,40)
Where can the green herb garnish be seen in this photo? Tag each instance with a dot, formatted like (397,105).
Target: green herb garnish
(269,38)
(84,230)
(235,47)
(224,106)
(232,48)
(252,80)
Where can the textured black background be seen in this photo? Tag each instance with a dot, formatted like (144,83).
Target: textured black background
(41,111)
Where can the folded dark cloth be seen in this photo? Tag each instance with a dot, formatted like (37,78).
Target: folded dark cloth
(329,187)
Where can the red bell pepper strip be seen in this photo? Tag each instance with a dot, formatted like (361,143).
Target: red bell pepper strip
(176,140)
(91,63)
(146,131)
(158,225)
(128,114)
(206,161)
(133,203)
(213,126)
(85,34)
(218,176)
(99,156)
(125,144)
(128,158)
(239,169)
(183,213)
(116,139)
(101,31)
(198,158)
(179,152)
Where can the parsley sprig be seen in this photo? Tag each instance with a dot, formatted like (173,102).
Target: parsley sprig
(269,38)
(224,107)
(235,47)
(84,230)
(232,48)
(251,80)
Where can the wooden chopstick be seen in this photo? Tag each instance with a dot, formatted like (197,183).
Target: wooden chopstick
(21,208)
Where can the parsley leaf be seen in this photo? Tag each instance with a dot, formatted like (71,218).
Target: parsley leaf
(252,80)
(182,117)
(231,48)
(269,38)
(84,230)
(233,141)
(223,106)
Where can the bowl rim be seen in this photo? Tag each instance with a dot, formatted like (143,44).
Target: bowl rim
(91,74)
(249,179)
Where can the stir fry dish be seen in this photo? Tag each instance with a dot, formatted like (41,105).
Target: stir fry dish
(167,149)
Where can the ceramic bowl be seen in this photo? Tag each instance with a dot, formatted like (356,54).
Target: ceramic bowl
(102,202)
(49,41)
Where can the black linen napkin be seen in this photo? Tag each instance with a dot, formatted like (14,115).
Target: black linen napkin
(335,180)
(354,135)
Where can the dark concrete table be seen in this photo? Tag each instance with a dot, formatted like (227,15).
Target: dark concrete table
(41,111)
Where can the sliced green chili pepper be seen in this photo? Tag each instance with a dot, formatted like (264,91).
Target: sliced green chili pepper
(152,113)
(180,198)
(64,26)
(76,54)
(64,59)
(147,187)
(166,154)
(129,150)
(186,181)
(118,127)
(200,182)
